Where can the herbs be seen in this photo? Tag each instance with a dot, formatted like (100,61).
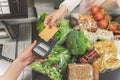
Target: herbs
(62,33)
(56,63)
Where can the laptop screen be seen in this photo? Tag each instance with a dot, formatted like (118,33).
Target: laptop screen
(13,9)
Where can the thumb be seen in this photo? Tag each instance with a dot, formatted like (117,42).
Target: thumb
(32,45)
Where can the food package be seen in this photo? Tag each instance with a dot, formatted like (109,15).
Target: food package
(83,21)
(104,34)
(91,36)
(108,59)
(80,72)
(117,42)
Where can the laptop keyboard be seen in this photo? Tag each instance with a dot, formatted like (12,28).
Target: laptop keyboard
(4,7)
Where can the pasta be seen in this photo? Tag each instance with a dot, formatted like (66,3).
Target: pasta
(107,51)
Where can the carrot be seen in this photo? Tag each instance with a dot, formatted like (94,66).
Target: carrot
(96,73)
(117,36)
(116,31)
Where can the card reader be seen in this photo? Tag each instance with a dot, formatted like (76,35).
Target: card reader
(42,49)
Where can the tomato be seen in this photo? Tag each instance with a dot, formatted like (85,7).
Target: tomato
(98,16)
(103,23)
(107,17)
(83,60)
(113,26)
(94,9)
(103,10)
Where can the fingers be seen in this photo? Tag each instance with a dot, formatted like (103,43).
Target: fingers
(54,21)
(47,20)
(32,45)
(51,20)
(40,60)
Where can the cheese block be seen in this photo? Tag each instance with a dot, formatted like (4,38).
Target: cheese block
(48,33)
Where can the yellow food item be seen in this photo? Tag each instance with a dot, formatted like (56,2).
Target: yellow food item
(48,33)
(107,51)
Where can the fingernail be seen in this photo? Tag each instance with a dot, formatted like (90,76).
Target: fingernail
(50,26)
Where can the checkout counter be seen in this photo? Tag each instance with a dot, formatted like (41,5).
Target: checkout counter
(24,34)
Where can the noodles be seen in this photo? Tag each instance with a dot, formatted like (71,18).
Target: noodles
(108,56)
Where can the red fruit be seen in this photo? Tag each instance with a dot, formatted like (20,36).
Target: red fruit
(103,23)
(83,60)
(113,26)
(94,9)
(98,16)
(103,10)
(107,17)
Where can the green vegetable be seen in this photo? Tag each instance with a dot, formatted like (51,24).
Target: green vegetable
(60,36)
(76,43)
(62,33)
(40,24)
(57,63)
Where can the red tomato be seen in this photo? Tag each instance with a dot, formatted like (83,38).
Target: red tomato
(94,9)
(107,17)
(103,10)
(83,60)
(113,26)
(103,23)
(98,16)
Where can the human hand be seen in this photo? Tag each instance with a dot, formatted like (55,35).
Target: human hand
(27,56)
(55,17)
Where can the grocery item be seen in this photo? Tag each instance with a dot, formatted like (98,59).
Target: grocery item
(76,43)
(55,64)
(94,9)
(113,26)
(80,72)
(98,16)
(60,35)
(103,23)
(108,60)
(84,22)
(89,57)
(104,35)
(91,36)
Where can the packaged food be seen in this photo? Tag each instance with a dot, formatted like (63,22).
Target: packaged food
(81,72)
(108,59)
(117,42)
(83,22)
(89,57)
(91,36)
(104,34)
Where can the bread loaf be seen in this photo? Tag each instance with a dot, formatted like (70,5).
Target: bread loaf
(80,72)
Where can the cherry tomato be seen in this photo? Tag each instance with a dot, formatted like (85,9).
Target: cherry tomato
(103,23)
(113,26)
(107,17)
(83,60)
(103,10)
(98,16)
(94,9)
